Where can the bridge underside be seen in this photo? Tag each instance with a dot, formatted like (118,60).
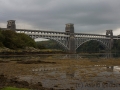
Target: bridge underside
(76,42)
(60,40)
(106,43)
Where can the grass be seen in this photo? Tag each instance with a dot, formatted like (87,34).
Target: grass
(13,88)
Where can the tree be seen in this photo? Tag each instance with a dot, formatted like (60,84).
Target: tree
(13,40)
(90,46)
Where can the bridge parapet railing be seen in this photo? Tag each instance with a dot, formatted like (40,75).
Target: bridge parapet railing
(60,35)
(41,32)
(90,35)
(38,31)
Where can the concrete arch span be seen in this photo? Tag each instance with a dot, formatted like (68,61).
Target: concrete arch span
(104,43)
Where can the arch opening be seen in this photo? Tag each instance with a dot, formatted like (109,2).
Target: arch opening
(91,46)
(56,43)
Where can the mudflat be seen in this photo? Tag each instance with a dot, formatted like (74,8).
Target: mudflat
(12,70)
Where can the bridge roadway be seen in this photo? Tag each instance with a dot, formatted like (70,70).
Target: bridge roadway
(64,34)
(61,34)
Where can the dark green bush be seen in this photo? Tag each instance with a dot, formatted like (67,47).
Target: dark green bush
(13,40)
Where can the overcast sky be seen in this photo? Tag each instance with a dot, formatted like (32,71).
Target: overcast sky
(88,16)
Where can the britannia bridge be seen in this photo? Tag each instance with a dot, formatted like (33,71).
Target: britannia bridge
(68,39)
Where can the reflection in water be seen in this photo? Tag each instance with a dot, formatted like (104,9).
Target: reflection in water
(79,56)
(110,68)
(62,56)
(108,55)
(71,56)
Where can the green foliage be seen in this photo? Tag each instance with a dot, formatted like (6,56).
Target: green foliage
(13,40)
(1,39)
(94,46)
(40,45)
(28,41)
(50,44)
(116,45)
(90,46)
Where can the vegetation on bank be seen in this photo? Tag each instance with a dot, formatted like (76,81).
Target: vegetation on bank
(13,88)
(95,46)
(13,40)
(12,43)
(49,44)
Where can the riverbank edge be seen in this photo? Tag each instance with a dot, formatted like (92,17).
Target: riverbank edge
(16,83)
(29,51)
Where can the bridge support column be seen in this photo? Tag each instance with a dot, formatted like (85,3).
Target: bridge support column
(71,42)
(109,33)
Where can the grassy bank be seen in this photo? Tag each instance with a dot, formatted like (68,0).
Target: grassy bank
(13,88)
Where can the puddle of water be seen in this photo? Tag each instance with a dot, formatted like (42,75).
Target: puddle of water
(60,56)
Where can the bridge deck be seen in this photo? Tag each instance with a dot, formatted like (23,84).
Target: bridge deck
(62,34)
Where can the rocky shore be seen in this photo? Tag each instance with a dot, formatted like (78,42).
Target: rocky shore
(15,82)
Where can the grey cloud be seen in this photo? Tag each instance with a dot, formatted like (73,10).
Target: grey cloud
(88,15)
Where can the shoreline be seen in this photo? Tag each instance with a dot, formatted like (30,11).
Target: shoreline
(31,52)
(16,83)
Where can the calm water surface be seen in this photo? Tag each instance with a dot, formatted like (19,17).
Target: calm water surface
(78,77)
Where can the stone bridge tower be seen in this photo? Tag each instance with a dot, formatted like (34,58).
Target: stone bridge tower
(71,40)
(109,33)
(11,25)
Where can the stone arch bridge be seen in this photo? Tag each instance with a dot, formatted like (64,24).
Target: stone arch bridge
(68,39)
